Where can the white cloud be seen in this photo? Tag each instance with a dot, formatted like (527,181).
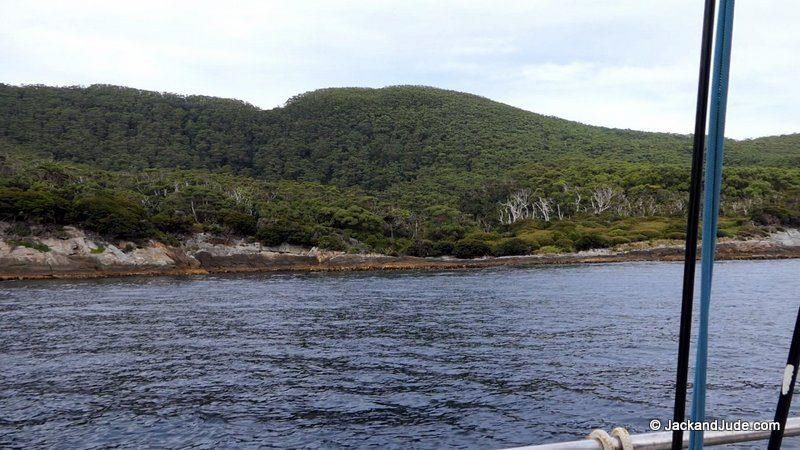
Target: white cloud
(621,63)
(556,73)
(648,98)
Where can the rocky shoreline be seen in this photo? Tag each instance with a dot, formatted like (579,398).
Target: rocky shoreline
(76,254)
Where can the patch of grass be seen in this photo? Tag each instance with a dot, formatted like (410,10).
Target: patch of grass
(99,249)
(651,228)
(38,246)
(750,230)
(729,227)
(19,229)
(549,249)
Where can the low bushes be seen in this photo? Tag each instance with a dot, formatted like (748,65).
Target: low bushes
(511,247)
(591,241)
(286,231)
(112,215)
(776,215)
(33,205)
(471,248)
(332,242)
(168,205)
(442,248)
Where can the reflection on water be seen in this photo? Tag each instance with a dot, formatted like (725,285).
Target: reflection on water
(458,359)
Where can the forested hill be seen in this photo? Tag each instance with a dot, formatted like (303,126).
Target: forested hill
(399,170)
(371,138)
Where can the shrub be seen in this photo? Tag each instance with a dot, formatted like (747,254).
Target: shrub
(332,242)
(378,243)
(775,215)
(33,205)
(212,228)
(173,223)
(591,241)
(239,223)
(302,234)
(353,217)
(275,233)
(470,248)
(112,215)
(400,246)
(560,239)
(651,234)
(532,246)
(421,248)
(446,233)
(441,248)
(750,230)
(564,244)
(511,247)
(168,239)
(19,229)
(482,236)
(617,240)
(290,232)
(616,232)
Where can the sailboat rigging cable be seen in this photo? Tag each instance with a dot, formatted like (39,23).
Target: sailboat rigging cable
(712,188)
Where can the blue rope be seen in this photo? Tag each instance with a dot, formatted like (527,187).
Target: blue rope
(713,185)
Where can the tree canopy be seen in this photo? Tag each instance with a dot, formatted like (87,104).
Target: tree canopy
(406,169)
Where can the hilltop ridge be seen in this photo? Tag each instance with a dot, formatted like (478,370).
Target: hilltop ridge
(345,136)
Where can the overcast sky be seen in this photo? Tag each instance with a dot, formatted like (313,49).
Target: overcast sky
(619,63)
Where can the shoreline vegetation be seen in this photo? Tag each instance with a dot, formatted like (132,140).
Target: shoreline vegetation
(75,254)
(352,178)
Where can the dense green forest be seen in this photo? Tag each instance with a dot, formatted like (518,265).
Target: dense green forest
(400,170)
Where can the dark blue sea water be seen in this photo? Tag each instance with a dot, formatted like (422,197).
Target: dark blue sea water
(452,359)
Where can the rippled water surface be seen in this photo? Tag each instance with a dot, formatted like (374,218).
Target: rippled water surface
(454,359)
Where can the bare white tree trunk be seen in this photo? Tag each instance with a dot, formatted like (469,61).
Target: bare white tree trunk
(601,199)
(743,205)
(543,204)
(677,205)
(652,206)
(624,205)
(194,212)
(517,207)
